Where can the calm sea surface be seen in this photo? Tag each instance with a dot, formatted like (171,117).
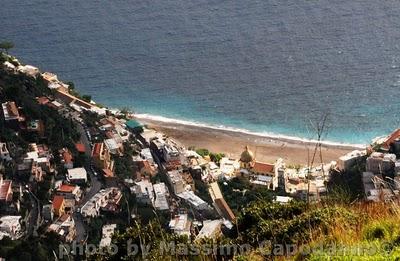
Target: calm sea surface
(264,66)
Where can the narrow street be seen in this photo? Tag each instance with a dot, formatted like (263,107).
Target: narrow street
(95,186)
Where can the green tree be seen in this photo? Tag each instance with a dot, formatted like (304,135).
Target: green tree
(87,98)
(6,45)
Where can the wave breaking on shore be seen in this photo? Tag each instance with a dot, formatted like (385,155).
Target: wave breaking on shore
(267,135)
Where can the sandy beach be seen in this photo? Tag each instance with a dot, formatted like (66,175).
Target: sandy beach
(232,143)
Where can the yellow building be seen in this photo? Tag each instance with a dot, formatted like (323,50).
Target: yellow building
(247,159)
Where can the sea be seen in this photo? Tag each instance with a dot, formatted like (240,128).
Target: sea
(271,67)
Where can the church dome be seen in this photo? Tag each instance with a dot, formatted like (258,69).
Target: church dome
(247,156)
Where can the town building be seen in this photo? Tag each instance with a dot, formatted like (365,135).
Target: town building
(49,77)
(144,192)
(282,199)
(36,126)
(11,115)
(229,167)
(66,158)
(69,191)
(64,227)
(219,203)
(4,152)
(176,182)
(146,169)
(192,199)
(387,141)
(77,176)
(106,199)
(381,163)
(48,212)
(112,146)
(260,173)
(28,70)
(376,189)
(107,232)
(181,225)
(5,190)
(351,159)
(59,205)
(211,229)
(10,226)
(167,151)
(247,159)
(102,158)
(148,135)
(146,155)
(160,193)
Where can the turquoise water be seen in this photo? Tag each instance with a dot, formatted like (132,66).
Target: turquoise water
(261,66)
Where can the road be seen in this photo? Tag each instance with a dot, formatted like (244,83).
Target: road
(95,186)
(34,215)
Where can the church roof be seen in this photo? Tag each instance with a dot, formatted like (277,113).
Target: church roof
(247,155)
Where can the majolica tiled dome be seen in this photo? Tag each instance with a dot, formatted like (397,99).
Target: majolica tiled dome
(247,156)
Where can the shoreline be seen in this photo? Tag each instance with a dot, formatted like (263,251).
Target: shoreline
(276,137)
(232,143)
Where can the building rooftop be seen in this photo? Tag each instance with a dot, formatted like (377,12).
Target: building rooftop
(5,188)
(77,173)
(111,144)
(80,147)
(193,199)
(353,154)
(65,188)
(133,124)
(160,201)
(225,209)
(174,176)
(10,111)
(97,147)
(67,156)
(180,224)
(247,155)
(209,228)
(107,232)
(58,201)
(261,167)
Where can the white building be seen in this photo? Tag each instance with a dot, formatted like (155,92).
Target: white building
(160,192)
(176,181)
(4,153)
(193,200)
(28,70)
(171,153)
(10,227)
(283,199)
(214,170)
(107,232)
(144,192)
(181,225)
(349,160)
(112,146)
(229,167)
(77,175)
(99,200)
(65,227)
(211,229)
(379,163)
(146,155)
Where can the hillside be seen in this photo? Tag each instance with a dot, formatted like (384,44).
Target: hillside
(342,226)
